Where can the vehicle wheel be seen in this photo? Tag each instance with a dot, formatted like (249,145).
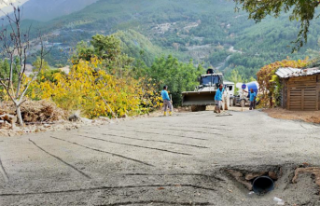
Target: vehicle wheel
(198,108)
(243,103)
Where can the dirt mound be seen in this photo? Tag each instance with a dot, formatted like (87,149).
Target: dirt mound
(36,111)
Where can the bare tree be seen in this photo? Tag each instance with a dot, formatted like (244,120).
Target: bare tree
(15,46)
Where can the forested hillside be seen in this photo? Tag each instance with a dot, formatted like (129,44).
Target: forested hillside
(207,31)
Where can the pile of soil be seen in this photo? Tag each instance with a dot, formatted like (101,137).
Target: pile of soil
(37,115)
(41,116)
(306,116)
(36,111)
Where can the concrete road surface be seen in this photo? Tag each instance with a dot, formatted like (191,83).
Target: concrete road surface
(178,160)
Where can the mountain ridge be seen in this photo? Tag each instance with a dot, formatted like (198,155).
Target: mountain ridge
(44,10)
(199,29)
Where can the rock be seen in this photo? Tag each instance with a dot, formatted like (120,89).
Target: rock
(59,127)
(85,120)
(8,118)
(46,125)
(315,171)
(6,125)
(106,119)
(37,129)
(273,175)
(251,176)
(20,133)
(74,118)
(239,176)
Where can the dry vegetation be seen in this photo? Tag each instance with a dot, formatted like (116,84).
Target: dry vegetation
(37,115)
(36,111)
(44,115)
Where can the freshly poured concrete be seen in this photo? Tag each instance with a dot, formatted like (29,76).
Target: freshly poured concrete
(178,160)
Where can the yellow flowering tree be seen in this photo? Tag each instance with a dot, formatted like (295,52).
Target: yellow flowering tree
(97,93)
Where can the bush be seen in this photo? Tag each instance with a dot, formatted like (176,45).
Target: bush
(97,93)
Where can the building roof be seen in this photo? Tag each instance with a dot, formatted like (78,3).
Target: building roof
(294,72)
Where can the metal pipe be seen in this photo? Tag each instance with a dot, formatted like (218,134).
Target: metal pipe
(262,185)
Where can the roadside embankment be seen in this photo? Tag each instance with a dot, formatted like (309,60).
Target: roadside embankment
(306,116)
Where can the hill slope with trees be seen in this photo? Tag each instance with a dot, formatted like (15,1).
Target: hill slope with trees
(209,32)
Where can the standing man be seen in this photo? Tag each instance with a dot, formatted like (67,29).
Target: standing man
(218,99)
(166,101)
(253,96)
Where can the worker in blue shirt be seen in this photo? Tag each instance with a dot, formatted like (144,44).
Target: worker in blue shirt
(166,101)
(218,98)
(253,96)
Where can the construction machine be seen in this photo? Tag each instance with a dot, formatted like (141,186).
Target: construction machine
(204,94)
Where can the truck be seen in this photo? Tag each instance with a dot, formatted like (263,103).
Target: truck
(204,93)
(242,98)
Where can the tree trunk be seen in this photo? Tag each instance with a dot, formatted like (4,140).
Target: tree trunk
(18,87)
(20,120)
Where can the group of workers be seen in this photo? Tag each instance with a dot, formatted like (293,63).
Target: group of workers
(218,100)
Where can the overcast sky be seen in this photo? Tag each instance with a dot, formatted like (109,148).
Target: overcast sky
(4,3)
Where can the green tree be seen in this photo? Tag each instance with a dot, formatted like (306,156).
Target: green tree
(5,69)
(235,77)
(36,64)
(315,56)
(140,68)
(252,79)
(301,10)
(177,75)
(107,49)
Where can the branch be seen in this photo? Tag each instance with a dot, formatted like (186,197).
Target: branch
(27,42)
(8,91)
(27,86)
(302,10)
(11,70)
(39,70)
(2,83)
(19,104)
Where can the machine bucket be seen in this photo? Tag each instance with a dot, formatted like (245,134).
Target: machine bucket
(198,98)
